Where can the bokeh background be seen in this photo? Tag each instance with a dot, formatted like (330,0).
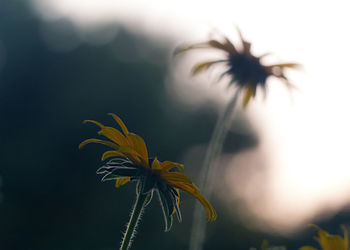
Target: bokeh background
(284,163)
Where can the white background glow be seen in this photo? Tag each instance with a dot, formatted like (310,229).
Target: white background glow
(307,140)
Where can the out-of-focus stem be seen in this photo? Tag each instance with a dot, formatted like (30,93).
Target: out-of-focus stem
(205,184)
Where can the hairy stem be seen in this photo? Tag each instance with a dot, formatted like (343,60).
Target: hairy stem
(205,183)
(139,205)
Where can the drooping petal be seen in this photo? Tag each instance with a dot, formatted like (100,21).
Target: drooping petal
(111,153)
(204,66)
(121,181)
(175,177)
(168,165)
(194,191)
(107,143)
(120,123)
(139,145)
(249,93)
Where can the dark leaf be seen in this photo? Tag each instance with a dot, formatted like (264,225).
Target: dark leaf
(168,219)
(149,198)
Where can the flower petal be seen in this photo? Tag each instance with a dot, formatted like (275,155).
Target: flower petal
(288,84)
(194,191)
(107,143)
(175,177)
(120,123)
(139,145)
(156,165)
(217,45)
(246,45)
(132,155)
(110,132)
(209,44)
(328,241)
(167,165)
(248,95)
(204,66)
(114,135)
(121,181)
(285,65)
(230,46)
(111,153)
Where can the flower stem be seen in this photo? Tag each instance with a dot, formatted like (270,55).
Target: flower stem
(139,205)
(208,169)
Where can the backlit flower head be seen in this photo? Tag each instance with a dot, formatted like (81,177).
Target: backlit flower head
(129,161)
(328,241)
(245,69)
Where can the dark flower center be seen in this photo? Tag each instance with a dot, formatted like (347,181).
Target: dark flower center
(247,69)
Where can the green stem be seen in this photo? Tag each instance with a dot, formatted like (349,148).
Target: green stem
(208,169)
(140,203)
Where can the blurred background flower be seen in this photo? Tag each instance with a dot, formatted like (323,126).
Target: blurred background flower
(243,69)
(284,164)
(329,241)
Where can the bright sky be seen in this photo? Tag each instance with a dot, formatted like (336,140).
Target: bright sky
(306,140)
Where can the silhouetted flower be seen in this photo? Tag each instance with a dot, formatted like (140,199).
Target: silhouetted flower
(330,242)
(131,163)
(244,69)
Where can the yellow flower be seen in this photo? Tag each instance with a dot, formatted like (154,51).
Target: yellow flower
(244,69)
(330,242)
(131,163)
